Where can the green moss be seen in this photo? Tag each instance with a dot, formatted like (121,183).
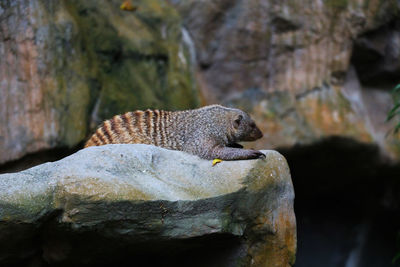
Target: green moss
(121,60)
(139,66)
(395,146)
(337,4)
(26,208)
(228,225)
(343,103)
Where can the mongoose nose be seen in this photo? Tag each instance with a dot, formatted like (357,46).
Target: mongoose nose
(259,134)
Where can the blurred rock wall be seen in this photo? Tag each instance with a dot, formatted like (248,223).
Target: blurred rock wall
(68,65)
(305,70)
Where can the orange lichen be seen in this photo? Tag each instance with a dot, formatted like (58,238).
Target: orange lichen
(127,6)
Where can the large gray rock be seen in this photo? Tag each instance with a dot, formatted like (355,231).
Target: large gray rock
(138,203)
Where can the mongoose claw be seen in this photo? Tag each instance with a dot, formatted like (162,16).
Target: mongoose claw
(262,156)
(255,154)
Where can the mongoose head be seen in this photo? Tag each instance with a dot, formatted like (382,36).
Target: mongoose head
(244,128)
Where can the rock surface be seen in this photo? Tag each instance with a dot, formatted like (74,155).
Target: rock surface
(119,203)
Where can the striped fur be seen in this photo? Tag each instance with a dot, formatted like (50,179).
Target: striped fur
(203,132)
(138,127)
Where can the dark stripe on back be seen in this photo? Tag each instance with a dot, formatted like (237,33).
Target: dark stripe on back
(138,120)
(147,119)
(100,136)
(95,140)
(155,128)
(114,126)
(163,125)
(106,133)
(125,123)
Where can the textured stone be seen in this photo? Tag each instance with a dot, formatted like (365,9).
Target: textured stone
(69,65)
(132,202)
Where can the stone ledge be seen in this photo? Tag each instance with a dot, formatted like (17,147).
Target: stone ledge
(124,203)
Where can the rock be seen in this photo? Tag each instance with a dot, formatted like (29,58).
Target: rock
(376,55)
(138,203)
(67,66)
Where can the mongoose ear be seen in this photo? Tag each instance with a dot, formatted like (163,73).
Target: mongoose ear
(237,121)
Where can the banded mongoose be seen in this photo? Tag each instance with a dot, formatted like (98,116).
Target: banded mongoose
(209,132)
